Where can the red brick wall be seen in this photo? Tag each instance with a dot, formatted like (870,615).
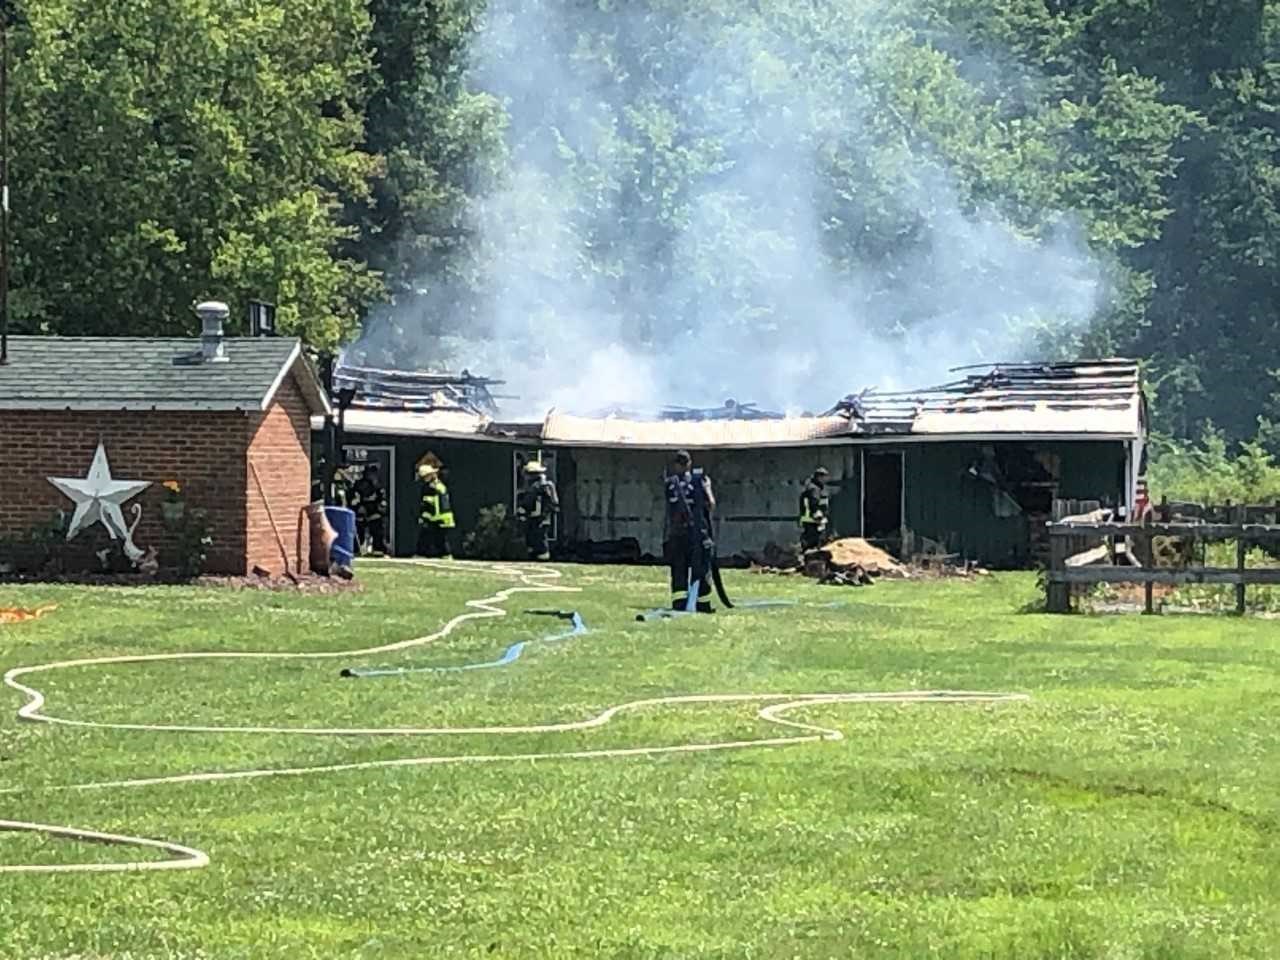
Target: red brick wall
(205,452)
(280,452)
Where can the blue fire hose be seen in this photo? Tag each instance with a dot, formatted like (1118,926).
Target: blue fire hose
(511,655)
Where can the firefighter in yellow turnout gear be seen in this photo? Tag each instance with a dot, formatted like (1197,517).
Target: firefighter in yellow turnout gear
(435,519)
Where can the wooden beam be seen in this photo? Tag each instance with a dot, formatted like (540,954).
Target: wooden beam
(1203,531)
(1088,557)
(1227,575)
(1093,516)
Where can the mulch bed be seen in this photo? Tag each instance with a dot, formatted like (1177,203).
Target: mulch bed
(307,584)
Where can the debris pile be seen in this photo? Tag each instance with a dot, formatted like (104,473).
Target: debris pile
(854,551)
(775,559)
(930,565)
(852,561)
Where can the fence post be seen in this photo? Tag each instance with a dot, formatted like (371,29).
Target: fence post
(1148,563)
(1057,595)
(1242,548)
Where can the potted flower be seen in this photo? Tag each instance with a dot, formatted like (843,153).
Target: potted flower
(172,507)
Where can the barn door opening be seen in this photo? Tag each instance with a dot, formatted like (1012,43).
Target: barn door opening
(358,459)
(881,495)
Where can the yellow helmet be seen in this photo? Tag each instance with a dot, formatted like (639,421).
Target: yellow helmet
(426,471)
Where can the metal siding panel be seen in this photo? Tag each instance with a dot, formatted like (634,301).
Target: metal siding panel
(943,505)
(845,464)
(1091,470)
(757,492)
(619,494)
(478,475)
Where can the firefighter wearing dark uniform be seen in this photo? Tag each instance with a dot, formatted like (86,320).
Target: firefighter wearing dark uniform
(369,500)
(535,507)
(688,546)
(435,521)
(341,488)
(815,508)
(317,479)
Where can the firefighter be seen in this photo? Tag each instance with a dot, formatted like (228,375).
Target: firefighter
(815,507)
(688,544)
(342,494)
(317,479)
(435,521)
(535,508)
(369,500)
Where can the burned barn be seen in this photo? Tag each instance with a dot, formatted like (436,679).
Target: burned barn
(971,467)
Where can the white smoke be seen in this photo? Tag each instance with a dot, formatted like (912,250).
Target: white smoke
(608,279)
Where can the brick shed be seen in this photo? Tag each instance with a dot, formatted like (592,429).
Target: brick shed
(227,419)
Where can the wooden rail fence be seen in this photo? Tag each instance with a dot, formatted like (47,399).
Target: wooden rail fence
(1078,543)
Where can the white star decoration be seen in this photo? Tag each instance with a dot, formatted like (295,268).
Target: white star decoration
(98,497)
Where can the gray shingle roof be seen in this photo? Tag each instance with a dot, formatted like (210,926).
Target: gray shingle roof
(132,373)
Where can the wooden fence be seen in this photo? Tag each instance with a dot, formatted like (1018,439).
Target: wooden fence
(1078,543)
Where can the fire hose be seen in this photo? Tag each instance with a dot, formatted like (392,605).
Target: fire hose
(511,655)
(773,711)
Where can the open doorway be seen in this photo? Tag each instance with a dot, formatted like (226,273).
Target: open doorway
(881,495)
(358,459)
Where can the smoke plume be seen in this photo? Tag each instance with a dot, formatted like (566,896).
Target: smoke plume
(698,206)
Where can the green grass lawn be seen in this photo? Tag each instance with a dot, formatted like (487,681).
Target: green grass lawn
(1131,808)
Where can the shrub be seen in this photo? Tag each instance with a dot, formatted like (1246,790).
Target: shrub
(38,551)
(496,536)
(194,538)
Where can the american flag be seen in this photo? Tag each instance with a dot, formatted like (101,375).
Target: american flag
(1142,501)
(1142,498)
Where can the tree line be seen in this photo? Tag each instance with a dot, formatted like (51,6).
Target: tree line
(326,155)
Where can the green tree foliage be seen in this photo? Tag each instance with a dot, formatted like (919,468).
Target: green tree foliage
(1210,472)
(172,150)
(1210,324)
(169,150)
(643,124)
(436,140)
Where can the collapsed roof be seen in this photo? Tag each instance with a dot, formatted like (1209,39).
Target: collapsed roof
(416,392)
(1100,398)
(1095,399)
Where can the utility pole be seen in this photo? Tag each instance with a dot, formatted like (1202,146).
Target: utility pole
(4,182)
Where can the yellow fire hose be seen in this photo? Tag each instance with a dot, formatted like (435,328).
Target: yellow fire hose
(536,580)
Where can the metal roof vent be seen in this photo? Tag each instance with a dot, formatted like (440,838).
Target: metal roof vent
(212,314)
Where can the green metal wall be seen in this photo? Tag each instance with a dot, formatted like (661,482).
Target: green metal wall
(477,472)
(944,504)
(758,488)
(611,494)
(1091,470)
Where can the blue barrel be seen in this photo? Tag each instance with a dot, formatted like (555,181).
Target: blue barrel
(343,521)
